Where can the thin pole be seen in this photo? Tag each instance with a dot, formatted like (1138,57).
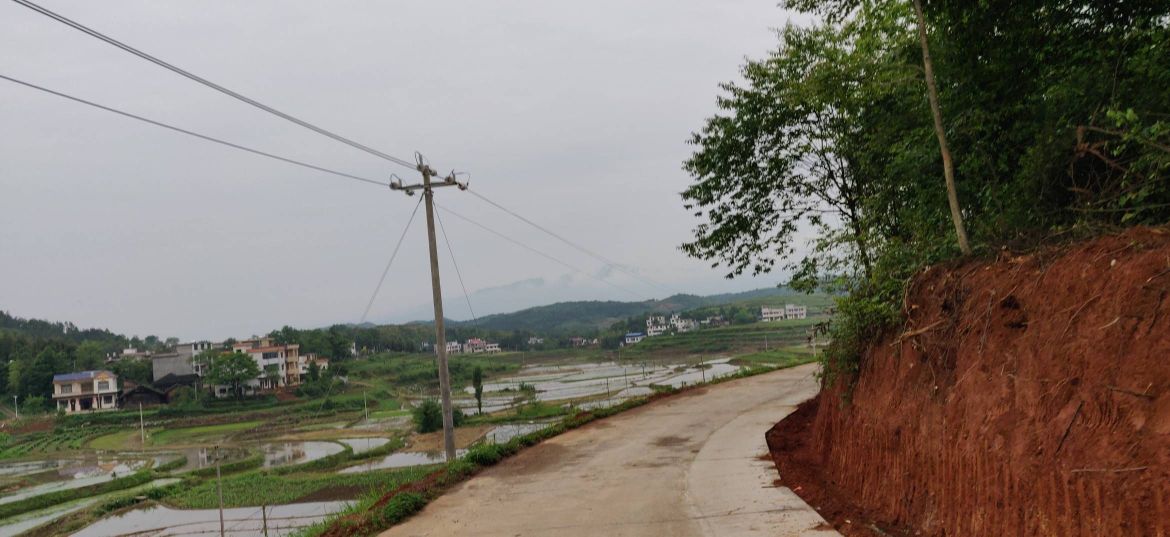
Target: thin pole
(703,371)
(17,406)
(264,517)
(440,333)
(219,491)
(365,412)
(141,426)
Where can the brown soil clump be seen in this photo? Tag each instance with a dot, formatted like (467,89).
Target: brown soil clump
(1025,396)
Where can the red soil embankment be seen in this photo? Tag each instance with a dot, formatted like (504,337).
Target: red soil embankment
(1025,396)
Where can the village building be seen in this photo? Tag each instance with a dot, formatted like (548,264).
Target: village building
(681,325)
(454,347)
(634,337)
(491,348)
(85,391)
(655,325)
(789,311)
(275,361)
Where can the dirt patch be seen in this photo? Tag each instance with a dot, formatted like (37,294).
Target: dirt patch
(1029,395)
(464,436)
(670,441)
(330,494)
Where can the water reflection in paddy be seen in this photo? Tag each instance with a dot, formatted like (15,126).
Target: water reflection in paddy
(403,460)
(362,445)
(296,452)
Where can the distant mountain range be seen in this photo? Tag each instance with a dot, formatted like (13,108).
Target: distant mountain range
(582,315)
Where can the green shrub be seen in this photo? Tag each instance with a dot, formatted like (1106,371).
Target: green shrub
(428,416)
(401,506)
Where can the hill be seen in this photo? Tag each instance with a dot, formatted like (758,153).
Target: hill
(593,314)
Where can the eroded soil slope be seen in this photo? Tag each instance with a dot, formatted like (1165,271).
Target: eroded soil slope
(1025,396)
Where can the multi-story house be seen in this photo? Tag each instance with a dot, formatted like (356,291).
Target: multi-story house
(789,311)
(655,325)
(491,348)
(279,364)
(634,337)
(475,346)
(454,347)
(85,391)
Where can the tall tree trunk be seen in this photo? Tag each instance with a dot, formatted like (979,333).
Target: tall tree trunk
(948,164)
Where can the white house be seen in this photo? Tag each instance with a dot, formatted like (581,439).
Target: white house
(681,325)
(85,391)
(655,325)
(492,348)
(634,337)
(789,311)
(454,347)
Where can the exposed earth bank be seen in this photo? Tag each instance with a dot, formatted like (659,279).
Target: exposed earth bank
(1029,395)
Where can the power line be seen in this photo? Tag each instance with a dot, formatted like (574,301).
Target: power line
(578,247)
(535,251)
(191,133)
(459,274)
(386,270)
(212,85)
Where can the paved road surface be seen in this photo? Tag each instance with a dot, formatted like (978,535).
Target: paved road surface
(684,466)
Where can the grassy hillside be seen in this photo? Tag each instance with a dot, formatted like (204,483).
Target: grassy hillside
(587,315)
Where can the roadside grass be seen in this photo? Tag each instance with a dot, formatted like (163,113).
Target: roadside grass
(372,515)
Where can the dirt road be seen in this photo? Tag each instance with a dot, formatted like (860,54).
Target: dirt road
(685,466)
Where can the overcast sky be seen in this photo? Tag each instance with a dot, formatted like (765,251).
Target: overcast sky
(575,115)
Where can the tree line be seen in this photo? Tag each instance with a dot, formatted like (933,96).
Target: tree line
(905,132)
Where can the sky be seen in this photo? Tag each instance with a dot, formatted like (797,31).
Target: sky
(574,115)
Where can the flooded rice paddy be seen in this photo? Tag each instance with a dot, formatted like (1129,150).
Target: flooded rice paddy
(159,521)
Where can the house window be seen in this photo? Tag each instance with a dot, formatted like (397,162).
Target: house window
(271,355)
(103,385)
(66,388)
(107,399)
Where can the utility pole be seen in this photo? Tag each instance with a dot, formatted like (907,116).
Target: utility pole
(365,412)
(16,406)
(436,293)
(219,491)
(141,426)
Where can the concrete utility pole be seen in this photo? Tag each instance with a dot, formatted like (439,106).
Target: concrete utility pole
(219,491)
(437,294)
(141,426)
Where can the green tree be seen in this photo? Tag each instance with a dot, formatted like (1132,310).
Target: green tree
(233,369)
(477,383)
(90,355)
(314,372)
(428,416)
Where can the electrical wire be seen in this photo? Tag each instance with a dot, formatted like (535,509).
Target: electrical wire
(603,259)
(191,133)
(459,274)
(213,85)
(386,270)
(535,251)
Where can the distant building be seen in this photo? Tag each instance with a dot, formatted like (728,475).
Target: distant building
(130,353)
(789,311)
(85,391)
(578,341)
(533,341)
(655,325)
(280,365)
(491,348)
(634,337)
(681,325)
(714,320)
(181,362)
(454,347)
(793,311)
(134,395)
(475,346)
